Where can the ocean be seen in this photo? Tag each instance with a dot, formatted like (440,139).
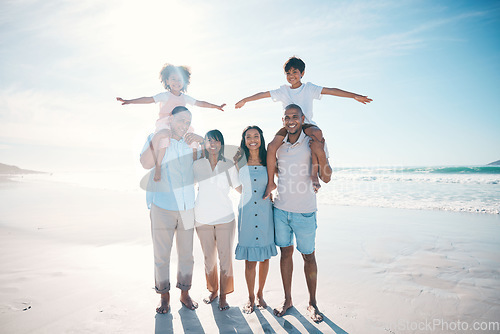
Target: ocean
(450,188)
(473,189)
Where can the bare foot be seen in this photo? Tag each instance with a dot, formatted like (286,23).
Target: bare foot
(315,182)
(157,176)
(209,299)
(314,313)
(187,301)
(261,302)
(270,187)
(248,308)
(223,305)
(281,310)
(164,306)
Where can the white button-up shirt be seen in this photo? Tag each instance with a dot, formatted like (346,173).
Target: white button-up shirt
(213,205)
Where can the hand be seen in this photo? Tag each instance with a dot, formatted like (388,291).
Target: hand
(192,137)
(363,99)
(121,100)
(221,107)
(240,104)
(237,156)
(317,146)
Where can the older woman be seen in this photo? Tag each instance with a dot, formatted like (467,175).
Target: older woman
(255,219)
(214,216)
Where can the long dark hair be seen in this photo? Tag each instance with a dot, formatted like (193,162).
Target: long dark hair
(217,135)
(262,148)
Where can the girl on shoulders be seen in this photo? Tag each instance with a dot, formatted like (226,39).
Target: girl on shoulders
(175,79)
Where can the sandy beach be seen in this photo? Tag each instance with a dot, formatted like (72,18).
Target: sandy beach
(79,260)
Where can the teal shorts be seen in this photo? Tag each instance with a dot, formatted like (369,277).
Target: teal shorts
(303,225)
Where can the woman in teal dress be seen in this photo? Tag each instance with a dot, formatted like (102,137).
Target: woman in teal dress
(255,215)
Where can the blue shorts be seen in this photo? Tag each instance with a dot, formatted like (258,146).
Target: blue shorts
(303,225)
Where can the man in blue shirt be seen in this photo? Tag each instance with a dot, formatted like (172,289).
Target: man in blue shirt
(171,204)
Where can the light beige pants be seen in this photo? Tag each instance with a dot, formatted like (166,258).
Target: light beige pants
(164,224)
(218,239)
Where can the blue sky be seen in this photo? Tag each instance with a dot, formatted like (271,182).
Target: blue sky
(431,67)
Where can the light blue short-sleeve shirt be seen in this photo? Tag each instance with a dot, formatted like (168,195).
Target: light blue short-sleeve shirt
(175,190)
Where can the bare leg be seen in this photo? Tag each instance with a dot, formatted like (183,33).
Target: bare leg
(159,159)
(271,164)
(250,278)
(164,305)
(311,273)
(315,133)
(161,137)
(263,270)
(286,266)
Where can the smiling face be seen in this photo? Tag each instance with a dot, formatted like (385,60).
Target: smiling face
(212,146)
(293,120)
(175,82)
(179,124)
(293,76)
(252,139)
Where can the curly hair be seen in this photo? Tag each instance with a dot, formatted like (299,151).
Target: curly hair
(183,71)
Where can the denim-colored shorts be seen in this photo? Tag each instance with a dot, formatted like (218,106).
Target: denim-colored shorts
(303,225)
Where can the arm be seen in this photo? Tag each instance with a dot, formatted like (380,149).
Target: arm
(342,93)
(204,104)
(140,100)
(325,171)
(254,97)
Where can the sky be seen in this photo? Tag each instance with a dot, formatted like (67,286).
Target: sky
(432,69)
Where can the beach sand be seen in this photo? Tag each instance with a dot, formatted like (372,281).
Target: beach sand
(79,260)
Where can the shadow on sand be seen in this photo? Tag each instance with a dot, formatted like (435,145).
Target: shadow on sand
(231,320)
(163,323)
(308,325)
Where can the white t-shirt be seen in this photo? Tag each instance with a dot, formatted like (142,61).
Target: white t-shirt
(295,190)
(213,205)
(302,96)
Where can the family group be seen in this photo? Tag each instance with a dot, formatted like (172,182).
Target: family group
(182,159)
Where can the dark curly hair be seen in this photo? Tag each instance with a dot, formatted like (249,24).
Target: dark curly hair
(294,62)
(262,148)
(169,69)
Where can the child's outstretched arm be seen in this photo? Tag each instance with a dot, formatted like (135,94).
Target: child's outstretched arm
(342,93)
(204,104)
(140,100)
(255,97)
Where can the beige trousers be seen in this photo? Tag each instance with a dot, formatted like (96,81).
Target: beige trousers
(218,239)
(164,225)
